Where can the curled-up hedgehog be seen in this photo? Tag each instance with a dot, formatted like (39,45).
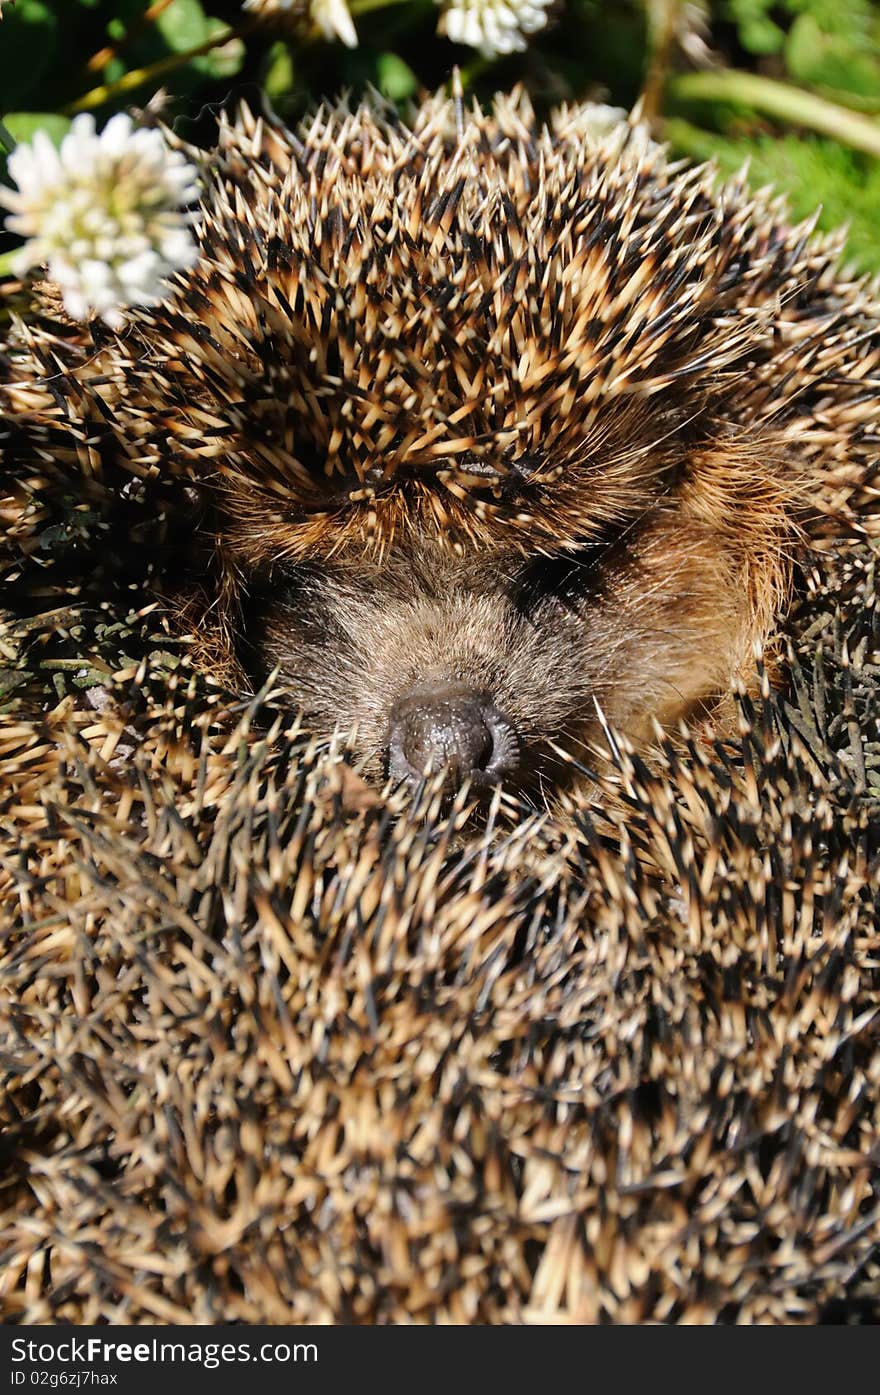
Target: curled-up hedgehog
(472,430)
(498,432)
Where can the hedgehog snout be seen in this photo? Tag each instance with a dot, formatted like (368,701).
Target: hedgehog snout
(451,728)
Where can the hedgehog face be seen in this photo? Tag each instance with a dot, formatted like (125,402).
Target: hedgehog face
(492,665)
(497,426)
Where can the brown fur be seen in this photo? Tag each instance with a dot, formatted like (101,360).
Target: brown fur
(652,626)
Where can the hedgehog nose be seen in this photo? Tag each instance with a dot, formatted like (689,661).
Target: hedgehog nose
(451,728)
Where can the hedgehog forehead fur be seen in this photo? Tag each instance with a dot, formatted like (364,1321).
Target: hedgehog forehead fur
(473,325)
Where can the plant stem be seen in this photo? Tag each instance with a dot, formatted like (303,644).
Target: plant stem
(138,77)
(362,7)
(663,16)
(791,104)
(103,56)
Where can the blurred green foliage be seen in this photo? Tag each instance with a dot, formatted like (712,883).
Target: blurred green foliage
(107,55)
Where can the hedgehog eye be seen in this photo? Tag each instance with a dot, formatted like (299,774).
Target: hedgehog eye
(297,598)
(568,578)
(574,576)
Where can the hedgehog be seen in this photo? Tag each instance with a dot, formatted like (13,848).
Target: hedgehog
(280,1048)
(499,434)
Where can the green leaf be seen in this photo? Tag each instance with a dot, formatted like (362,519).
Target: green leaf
(280,74)
(183,25)
(23,124)
(28,47)
(761,36)
(114,69)
(224,61)
(6,263)
(843,62)
(394,78)
(758,32)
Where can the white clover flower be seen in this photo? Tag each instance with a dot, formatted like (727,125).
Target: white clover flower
(331,16)
(493,26)
(105,214)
